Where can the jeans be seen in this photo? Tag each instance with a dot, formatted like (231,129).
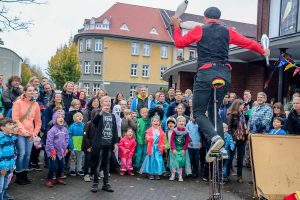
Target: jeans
(24,146)
(240,146)
(104,161)
(87,162)
(228,164)
(56,166)
(76,164)
(3,185)
(194,158)
(203,96)
(126,165)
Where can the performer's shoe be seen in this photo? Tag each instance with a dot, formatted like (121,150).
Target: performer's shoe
(216,144)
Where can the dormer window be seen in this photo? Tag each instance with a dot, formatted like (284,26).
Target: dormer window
(124,27)
(92,24)
(153,31)
(105,25)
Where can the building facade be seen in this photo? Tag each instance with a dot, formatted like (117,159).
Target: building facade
(10,63)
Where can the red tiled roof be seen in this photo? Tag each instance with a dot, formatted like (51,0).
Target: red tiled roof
(139,19)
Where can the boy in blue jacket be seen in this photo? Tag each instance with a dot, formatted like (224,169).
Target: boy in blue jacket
(229,147)
(7,155)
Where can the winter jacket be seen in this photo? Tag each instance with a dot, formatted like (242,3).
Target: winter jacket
(9,96)
(138,103)
(88,135)
(142,126)
(128,123)
(229,143)
(223,112)
(45,98)
(7,151)
(293,123)
(76,136)
(165,106)
(69,116)
(32,123)
(237,126)
(260,119)
(57,139)
(127,147)
(149,138)
(67,99)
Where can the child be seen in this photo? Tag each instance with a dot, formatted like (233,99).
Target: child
(179,159)
(7,158)
(105,141)
(153,164)
(229,147)
(143,124)
(75,145)
(194,145)
(128,122)
(126,150)
(56,147)
(277,124)
(75,108)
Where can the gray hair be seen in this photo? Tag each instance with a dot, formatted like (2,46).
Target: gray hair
(181,118)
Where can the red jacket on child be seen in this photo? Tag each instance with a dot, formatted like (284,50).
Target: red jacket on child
(127,147)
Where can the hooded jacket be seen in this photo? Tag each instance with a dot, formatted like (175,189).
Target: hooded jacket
(127,147)
(293,123)
(57,139)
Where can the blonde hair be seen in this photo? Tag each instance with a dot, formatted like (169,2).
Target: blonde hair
(127,111)
(144,110)
(68,82)
(74,101)
(32,79)
(77,115)
(104,98)
(296,99)
(180,118)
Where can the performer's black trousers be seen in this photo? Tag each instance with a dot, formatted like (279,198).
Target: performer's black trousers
(104,161)
(203,98)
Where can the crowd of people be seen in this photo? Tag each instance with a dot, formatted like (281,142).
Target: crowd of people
(90,136)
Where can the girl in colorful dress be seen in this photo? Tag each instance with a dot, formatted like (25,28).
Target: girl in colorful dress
(153,164)
(179,159)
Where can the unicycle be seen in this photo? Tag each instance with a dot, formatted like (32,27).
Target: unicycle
(216,173)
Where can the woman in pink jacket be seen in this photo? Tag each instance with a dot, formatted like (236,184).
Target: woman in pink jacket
(126,150)
(26,112)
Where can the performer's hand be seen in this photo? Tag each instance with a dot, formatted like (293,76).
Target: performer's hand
(175,22)
(267,52)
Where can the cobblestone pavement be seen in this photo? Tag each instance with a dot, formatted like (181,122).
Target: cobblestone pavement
(129,188)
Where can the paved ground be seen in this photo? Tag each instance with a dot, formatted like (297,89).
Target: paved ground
(129,188)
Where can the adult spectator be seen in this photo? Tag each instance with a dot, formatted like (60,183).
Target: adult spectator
(247,97)
(94,103)
(162,101)
(289,106)
(293,120)
(232,97)
(142,100)
(223,108)
(188,94)
(171,96)
(82,97)
(10,95)
(26,112)
(261,116)
(237,128)
(173,105)
(101,93)
(44,80)
(68,95)
(46,94)
(278,111)
(119,97)
(35,82)
(2,88)
(56,101)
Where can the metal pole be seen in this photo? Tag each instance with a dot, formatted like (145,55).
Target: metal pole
(215,107)
(280,78)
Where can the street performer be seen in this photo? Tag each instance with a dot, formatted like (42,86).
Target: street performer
(213,42)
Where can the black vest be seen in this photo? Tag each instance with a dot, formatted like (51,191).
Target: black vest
(214,44)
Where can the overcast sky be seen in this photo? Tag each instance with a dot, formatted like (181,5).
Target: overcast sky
(55,22)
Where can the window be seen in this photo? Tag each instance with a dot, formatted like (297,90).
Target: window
(145,71)
(133,70)
(88,43)
(153,31)
(92,24)
(81,46)
(86,86)
(146,50)
(97,67)
(124,27)
(98,45)
(134,48)
(192,54)
(164,52)
(132,90)
(98,25)
(105,25)
(180,54)
(162,71)
(87,67)
(96,87)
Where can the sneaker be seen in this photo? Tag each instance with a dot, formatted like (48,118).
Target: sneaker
(130,173)
(101,174)
(94,187)
(180,179)
(49,183)
(172,178)
(107,188)
(63,175)
(216,145)
(87,178)
(157,177)
(73,173)
(59,181)
(151,177)
(122,173)
(80,173)
(205,179)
